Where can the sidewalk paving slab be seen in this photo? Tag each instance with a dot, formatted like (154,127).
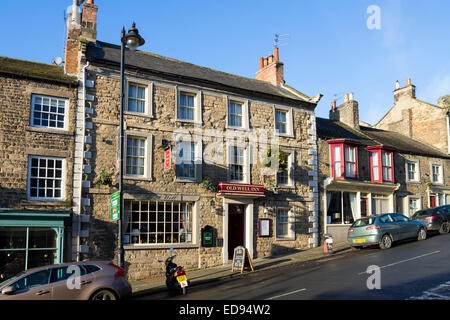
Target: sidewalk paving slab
(200,276)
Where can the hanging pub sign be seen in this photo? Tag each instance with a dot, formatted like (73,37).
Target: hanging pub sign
(241,259)
(167,159)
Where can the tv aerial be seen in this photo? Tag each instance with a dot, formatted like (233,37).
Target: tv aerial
(280,40)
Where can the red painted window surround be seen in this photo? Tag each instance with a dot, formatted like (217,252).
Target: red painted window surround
(344,159)
(381,164)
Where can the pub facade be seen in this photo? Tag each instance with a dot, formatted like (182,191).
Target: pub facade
(206,153)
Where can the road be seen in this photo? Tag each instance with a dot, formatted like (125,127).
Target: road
(409,270)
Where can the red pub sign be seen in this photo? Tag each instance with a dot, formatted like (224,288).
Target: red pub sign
(167,159)
(240,189)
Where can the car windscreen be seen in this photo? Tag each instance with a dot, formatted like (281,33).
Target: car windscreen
(12,278)
(363,222)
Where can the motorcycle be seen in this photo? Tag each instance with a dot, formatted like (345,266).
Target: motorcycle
(176,278)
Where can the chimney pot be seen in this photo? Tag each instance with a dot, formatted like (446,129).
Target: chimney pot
(265,62)
(261,63)
(346,97)
(333,104)
(408,81)
(350,96)
(397,85)
(277,54)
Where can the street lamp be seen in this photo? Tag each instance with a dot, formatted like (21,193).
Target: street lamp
(132,40)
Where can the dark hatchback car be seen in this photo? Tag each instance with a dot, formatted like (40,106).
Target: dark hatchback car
(435,219)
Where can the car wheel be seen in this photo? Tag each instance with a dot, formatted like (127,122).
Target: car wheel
(422,234)
(445,228)
(386,242)
(104,294)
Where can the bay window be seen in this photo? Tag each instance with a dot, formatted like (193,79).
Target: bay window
(381,164)
(344,159)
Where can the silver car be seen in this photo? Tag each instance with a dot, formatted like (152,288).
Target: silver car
(88,280)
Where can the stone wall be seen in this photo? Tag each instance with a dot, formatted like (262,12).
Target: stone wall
(418,120)
(18,140)
(142,259)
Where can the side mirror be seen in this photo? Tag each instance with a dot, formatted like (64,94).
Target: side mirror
(8,290)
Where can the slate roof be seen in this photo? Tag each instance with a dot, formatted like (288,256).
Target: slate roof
(368,136)
(35,70)
(106,53)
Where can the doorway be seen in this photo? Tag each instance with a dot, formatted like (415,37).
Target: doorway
(236,227)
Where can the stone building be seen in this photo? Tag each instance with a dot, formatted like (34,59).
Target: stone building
(419,120)
(37,125)
(204,150)
(365,170)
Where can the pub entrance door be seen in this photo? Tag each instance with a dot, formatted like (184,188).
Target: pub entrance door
(235,227)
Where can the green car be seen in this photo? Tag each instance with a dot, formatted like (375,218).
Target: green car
(384,229)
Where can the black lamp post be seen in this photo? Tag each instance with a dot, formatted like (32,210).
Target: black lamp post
(132,40)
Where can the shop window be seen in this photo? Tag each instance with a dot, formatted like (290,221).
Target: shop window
(380,204)
(342,207)
(22,248)
(158,222)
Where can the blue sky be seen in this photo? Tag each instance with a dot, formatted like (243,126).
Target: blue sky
(329,50)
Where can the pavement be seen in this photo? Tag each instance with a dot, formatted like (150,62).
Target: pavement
(223,272)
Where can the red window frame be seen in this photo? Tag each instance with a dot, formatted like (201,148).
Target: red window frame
(343,144)
(380,151)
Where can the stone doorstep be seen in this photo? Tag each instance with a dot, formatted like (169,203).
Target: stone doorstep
(201,276)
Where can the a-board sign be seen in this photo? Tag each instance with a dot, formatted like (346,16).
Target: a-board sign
(241,259)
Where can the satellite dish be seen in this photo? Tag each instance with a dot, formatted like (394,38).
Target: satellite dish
(58,61)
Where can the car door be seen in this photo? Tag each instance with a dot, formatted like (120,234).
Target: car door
(388,226)
(70,282)
(34,286)
(406,228)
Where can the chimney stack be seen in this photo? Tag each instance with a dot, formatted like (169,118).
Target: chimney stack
(84,26)
(347,113)
(271,70)
(409,91)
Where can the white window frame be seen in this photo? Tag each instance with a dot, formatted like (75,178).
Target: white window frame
(148,112)
(148,163)
(246,165)
(193,230)
(417,171)
(441,172)
(198,161)
(290,169)
(63,179)
(291,224)
(198,102)
(289,121)
(245,123)
(66,111)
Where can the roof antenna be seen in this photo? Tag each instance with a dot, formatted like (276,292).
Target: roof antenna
(280,40)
